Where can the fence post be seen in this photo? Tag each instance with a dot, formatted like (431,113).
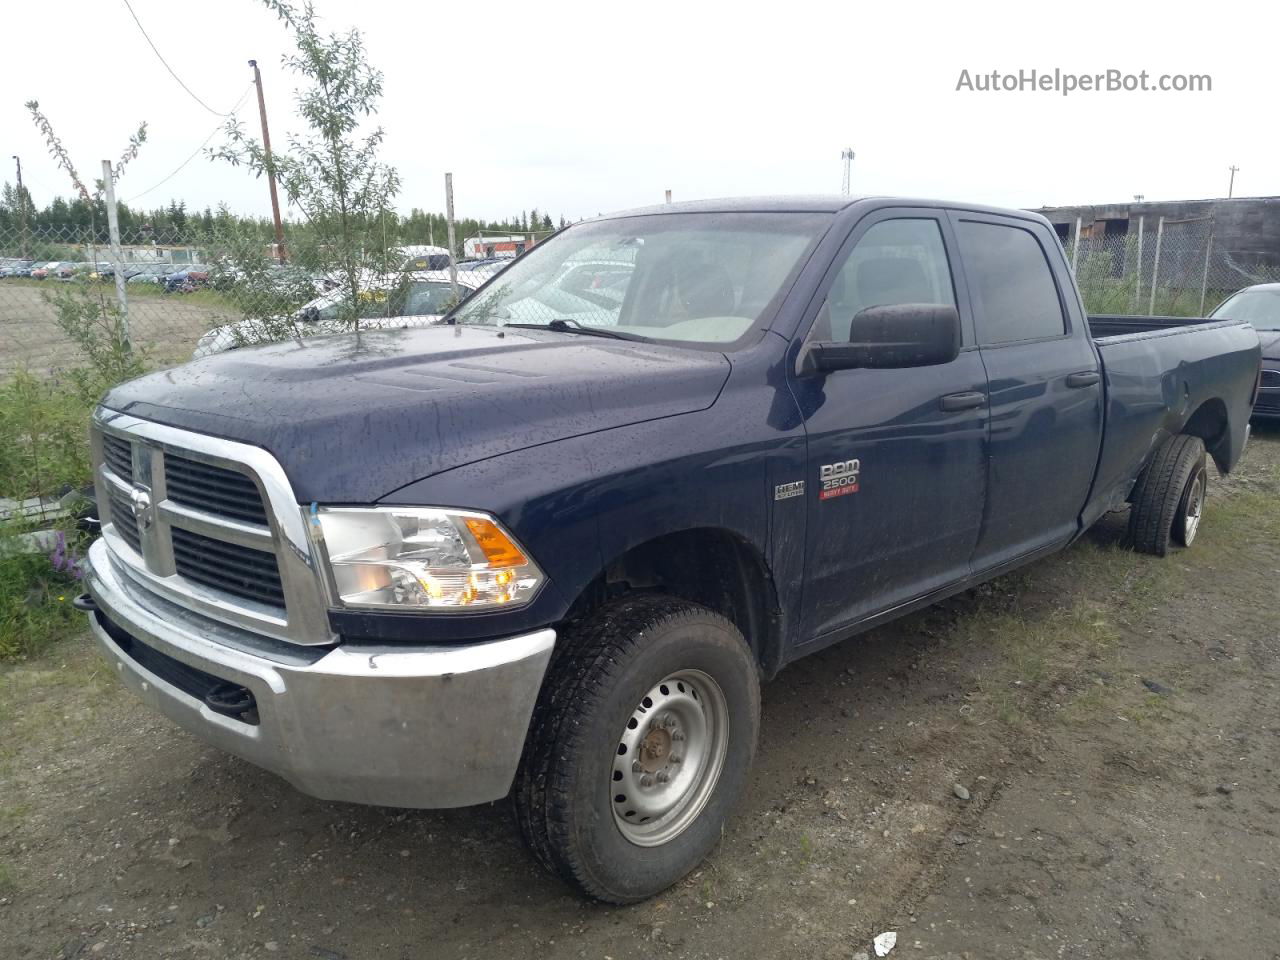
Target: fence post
(1137,292)
(1155,267)
(448,205)
(1204,277)
(117,254)
(1075,250)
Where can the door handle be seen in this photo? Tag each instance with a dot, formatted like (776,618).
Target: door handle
(1085,378)
(962,401)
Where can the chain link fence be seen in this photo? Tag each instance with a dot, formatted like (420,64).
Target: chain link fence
(202,290)
(1162,267)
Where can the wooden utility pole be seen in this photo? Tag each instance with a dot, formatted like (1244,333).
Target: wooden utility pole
(271,170)
(1231,186)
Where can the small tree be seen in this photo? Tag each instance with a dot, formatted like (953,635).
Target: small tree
(86,316)
(331,175)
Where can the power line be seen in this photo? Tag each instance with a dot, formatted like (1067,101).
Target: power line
(195,153)
(146,37)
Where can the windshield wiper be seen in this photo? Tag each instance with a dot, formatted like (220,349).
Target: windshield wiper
(569,325)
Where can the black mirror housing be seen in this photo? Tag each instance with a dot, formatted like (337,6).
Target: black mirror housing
(891,337)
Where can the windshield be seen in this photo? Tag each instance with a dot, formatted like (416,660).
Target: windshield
(1258,307)
(693,277)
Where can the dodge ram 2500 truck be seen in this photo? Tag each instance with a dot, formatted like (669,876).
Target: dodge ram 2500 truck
(552,547)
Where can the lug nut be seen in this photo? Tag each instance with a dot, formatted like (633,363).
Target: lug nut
(636,766)
(663,776)
(646,780)
(677,735)
(676,758)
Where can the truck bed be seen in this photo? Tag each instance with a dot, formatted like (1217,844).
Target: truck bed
(1107,326)
(1169,375)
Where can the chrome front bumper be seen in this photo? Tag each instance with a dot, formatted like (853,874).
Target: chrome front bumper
(415,727)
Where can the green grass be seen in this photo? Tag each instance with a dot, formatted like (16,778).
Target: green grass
(141,292)
(35,604)
(44,423)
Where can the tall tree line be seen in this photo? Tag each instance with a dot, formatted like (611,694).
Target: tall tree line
(74,220)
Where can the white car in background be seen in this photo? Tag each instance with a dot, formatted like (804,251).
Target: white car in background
(426,297)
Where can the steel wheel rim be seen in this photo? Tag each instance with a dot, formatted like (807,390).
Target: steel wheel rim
(1195,508)
(669,758)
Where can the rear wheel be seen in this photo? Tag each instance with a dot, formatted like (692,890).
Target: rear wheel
(1169,498)
(1190,509)
(639,747)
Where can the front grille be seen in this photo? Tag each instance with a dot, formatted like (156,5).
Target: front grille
(118,455)
(213,489)
(1268,402)
(1270,379)
(229,567)
(122,517)
(192,519)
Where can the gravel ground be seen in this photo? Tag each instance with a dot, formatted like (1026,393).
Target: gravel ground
(1109,719)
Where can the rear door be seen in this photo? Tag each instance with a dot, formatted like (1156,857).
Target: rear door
(896,458)
(1044,384)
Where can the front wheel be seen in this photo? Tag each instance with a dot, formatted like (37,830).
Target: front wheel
(639,746)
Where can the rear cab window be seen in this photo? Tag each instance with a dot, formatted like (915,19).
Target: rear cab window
(1015,297)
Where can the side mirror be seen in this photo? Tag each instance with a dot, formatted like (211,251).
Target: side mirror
(889,337)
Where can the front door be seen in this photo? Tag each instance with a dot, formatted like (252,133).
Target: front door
(896,458)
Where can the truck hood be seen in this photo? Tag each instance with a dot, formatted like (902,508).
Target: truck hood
(352,418)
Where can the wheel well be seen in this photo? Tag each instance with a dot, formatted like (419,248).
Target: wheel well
(1210,423)
(709,566)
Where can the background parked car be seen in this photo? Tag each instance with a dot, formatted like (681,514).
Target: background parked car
(79,271)
(150,273)
(417,300)
(1259,305)
(187,279)
(43,270)
(107,271)
(423,257)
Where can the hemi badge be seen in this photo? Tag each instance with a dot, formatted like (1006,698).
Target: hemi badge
(785,491)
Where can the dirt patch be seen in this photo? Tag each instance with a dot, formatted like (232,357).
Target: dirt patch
(1111,717)
(165,327)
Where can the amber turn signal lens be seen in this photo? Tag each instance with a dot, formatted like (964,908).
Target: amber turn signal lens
(498,550)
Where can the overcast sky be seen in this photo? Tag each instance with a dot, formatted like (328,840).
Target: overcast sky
(581,108)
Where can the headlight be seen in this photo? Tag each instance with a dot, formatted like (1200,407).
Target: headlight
(424,558)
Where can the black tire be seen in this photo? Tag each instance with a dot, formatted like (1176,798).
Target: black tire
(564,794)
(1157,517)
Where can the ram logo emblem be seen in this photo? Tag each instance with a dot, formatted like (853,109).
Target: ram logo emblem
(839,479)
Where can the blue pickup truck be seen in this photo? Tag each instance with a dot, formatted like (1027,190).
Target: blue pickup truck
(552,547)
